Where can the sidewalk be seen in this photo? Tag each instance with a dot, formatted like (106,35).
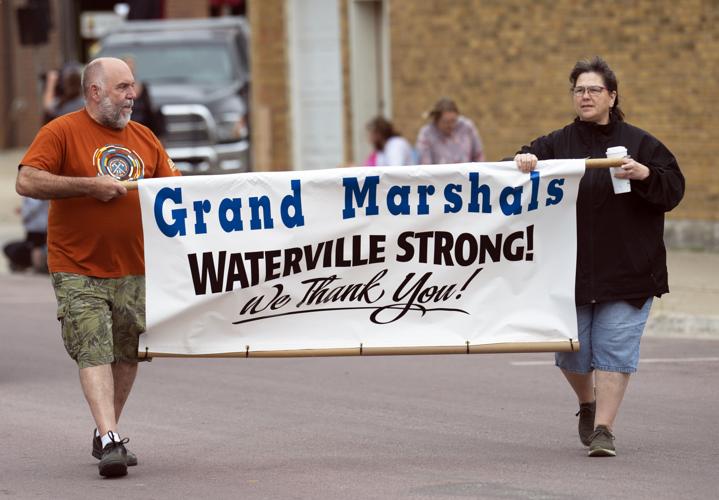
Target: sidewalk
(10,226)
(691,310)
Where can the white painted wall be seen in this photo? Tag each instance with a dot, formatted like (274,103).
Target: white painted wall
(369,69)
(315,83)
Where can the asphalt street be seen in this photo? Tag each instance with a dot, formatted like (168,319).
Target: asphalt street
(477,426)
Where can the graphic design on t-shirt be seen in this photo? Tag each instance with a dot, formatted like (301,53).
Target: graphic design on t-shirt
(121,163)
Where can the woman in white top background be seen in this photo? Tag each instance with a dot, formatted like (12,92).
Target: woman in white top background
(390,148)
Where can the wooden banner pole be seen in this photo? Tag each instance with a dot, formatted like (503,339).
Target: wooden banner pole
(603,162)
(507,347)
(129,185)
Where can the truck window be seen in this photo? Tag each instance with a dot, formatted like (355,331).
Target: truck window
(209,63)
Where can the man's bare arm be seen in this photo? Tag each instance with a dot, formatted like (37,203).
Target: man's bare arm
(42,185)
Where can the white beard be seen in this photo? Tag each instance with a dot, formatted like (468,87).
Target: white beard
(111,116)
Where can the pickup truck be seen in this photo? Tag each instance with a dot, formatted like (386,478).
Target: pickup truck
(197,74)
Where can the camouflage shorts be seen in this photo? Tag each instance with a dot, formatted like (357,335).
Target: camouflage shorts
(101,318)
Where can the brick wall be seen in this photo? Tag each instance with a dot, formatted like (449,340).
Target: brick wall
(270,104)
(507,62)
(346,83)
(29,62)
(176,9)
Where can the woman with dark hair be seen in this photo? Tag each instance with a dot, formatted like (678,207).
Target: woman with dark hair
(448,137)
(390,148)
(621,259)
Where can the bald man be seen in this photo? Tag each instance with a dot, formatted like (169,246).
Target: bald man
(95,248)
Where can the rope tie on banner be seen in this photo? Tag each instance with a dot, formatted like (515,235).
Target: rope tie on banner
(247,351)
(147,353)
(571,344)
(361,347)
(467,342)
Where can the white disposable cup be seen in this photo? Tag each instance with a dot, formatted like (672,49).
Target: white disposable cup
(620,185)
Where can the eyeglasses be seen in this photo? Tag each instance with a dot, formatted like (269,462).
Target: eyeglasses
(594,90)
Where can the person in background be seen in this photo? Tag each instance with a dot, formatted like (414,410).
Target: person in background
(30,252)
(390,148)
(95,248)
(233,8)
(61,97)
(448,137)
(143,110)
(621,259)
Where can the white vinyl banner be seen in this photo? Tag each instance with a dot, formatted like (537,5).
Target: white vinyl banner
(360,258)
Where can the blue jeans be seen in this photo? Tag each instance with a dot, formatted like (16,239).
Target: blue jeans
(609,336)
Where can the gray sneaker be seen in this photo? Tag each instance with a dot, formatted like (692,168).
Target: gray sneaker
(114,459)
(97,451)
(602,443)
(586,421)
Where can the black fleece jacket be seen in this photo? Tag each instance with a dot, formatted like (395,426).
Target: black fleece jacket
(620,237)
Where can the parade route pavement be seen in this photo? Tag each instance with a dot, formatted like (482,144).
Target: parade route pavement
(477,426)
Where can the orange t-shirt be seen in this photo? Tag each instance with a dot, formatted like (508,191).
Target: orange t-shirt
(87,236)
